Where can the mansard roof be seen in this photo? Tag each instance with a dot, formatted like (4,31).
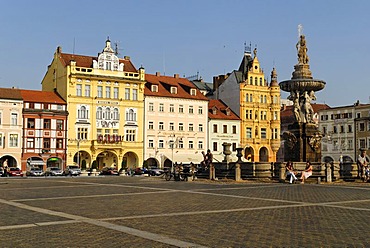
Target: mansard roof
(87,61)
(221,110)
(165,83)
(39,96)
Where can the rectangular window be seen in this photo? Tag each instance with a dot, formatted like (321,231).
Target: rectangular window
(342,129)
(191,110)
(160,144)
(234,147)
(14,119)
(47,123)
(200,145)
(100,91)
(200,110)
(151,107)
(161,107)
(191,144)
(172,126)
(181,126)
(362,127)
(78,89)
(31,123)
(215,128)
(46,143)
(172,108)
(151,125)
(263,133)
(13,140)
(191,127)
(362,143)
(161,125)
(115,92)
(1,140)
(59,143)
(274,133)
(30,143)
(82,133)
(1,117)
(200,128)
(46,106)
(127,94)
(151,144)
(181,108)
(130,135)
(107,91)
(87,90)
(60,124)
(249,132)
(134,94)
(234,129)
(181,144)
(225,128)
(350,128)
(215,146)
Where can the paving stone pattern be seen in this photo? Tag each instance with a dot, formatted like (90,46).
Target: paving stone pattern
(151,212)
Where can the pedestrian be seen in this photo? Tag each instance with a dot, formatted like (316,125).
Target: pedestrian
(193,171)
(290,172)
(307,171)
(209,158)
(361,164)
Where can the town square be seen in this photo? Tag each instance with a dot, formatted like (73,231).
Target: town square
(184,124)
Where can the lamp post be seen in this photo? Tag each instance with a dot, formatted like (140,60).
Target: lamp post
(172,146)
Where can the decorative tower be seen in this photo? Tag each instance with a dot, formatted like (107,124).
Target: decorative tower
(303,139)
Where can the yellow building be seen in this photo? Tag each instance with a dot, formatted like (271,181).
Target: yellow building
(247,93)
(105,101)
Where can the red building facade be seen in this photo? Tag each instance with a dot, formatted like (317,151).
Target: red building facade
(44,130)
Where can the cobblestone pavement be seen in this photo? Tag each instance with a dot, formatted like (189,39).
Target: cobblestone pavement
(151,212)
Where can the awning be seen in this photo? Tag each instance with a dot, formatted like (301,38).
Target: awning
(185,158)
(36,162)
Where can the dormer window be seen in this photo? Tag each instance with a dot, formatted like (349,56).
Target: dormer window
(228,112)
(214,110)
(193,92)
(154,88)
(173,90)
(107,60)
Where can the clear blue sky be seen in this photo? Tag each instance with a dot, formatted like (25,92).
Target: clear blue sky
(193,35)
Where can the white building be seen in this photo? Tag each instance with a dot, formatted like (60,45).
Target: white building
(175,121)
(337,126)
(224,127)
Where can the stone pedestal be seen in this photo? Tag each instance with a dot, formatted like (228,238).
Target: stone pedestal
(303,148)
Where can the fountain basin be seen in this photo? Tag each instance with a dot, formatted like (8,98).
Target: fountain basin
(302,85)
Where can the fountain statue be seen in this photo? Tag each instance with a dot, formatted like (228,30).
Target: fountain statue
(303,137)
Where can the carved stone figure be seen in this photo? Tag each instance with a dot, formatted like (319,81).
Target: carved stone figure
(302,50)
(307,109)
(315,141)
(290,139)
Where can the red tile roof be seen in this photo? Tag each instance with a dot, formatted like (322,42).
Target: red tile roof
(164,83)
(221,108)
(87,61)
(287,116)
(41,96)
(10,93)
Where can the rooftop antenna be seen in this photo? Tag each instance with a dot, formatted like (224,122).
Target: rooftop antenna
(117,48)
(74,44)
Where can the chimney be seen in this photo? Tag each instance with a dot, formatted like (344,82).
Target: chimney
(158,74)
(176,75)
(127,58)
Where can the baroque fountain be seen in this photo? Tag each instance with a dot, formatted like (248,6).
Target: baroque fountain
(302,139)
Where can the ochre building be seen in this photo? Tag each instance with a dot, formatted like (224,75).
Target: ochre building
(247,93)
(105,102)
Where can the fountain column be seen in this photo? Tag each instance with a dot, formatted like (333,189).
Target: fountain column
(303,139)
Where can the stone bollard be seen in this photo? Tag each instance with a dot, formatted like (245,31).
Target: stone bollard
(281,173)
(328,172)
(237,172)
(212,172)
